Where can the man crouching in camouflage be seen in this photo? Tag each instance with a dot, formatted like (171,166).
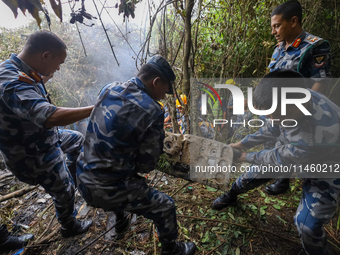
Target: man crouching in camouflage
(315,140)
(125,137)
(30,143)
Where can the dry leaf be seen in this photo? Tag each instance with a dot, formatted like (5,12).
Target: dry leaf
(57,9)
(13,5)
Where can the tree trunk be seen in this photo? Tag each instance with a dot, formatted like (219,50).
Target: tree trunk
(189,4)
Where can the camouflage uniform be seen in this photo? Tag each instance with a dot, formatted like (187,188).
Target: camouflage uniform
(167,114)
(183,124)
(308,55)
(125,137)
(32,152)
(238,131)
(303,144)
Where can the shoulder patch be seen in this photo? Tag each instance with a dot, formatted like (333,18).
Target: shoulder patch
(312,39)
(319,60)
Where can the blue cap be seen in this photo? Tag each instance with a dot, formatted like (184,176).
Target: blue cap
(160,63)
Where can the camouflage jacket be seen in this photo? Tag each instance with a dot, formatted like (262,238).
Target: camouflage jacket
(308,55)
(24,110)
(125,135)
(315,139)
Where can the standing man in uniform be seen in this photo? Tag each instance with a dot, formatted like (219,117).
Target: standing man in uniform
(300,51)
(30,143)
(125,137)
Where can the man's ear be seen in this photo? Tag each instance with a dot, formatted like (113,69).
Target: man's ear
(46,56)
(156,81)
(294,21)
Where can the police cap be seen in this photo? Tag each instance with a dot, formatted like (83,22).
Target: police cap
(160,63)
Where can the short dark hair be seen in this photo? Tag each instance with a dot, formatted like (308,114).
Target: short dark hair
(288,10)
(148,72)
(42,41)
(283,78)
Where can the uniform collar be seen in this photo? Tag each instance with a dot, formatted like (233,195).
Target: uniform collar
(296,43)
(21,65)
(139,83)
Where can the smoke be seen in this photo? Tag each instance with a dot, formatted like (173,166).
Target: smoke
(81,77)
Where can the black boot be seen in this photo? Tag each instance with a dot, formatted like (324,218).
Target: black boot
(8,242)
(75,228)
(227,199)
(178,248)
(278,187)
(122,225)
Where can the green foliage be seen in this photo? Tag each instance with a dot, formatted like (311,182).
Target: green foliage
(285,222)
(164,162)
(211,189)
(12,41)
(233,39)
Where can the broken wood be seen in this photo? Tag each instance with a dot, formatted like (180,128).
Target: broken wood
(18,193)
(6,181)
(45,239)
(180,188)
(96,239)
(41,242)
(48,227)
(6,175)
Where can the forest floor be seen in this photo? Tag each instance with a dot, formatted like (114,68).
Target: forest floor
(257,224)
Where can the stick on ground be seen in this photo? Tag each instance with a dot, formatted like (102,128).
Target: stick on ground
(18,193)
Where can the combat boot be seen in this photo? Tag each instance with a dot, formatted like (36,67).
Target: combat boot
(8,242)
(227,199)
(178,248)
(76,227)
(280,186)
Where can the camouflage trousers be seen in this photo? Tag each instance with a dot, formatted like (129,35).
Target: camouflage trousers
(55,174)
(317,206)
(135,196)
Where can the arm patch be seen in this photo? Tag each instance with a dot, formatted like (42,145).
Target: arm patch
(319,60)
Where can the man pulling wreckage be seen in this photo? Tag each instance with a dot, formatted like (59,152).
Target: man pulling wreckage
(125,137)
(314,140)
